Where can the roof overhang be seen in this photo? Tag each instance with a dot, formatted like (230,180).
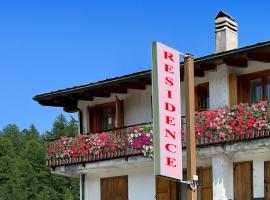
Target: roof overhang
(68,98)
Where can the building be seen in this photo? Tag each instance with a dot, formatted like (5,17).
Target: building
(233,152)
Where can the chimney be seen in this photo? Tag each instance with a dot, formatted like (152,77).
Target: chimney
(226,32)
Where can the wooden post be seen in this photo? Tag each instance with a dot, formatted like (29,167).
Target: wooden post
(190,122)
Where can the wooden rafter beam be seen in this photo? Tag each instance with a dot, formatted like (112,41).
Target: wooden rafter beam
(146,81)
(208,66)
(115,89)
(70,109)
(236,61)
(259,56)
(97,93)
(199,73)
(64,100)
(133,85)
(48,102)
(81,96)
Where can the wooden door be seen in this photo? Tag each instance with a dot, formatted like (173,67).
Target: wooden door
(114,188)
(205,178)
(243,181)
(166,189)
(267,180)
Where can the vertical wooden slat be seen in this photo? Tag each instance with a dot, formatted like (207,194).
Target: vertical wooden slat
(233,89)
(243,181)
(205,175)
(119,115)
(166,189)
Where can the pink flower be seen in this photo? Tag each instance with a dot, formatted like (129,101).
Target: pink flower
(221,134)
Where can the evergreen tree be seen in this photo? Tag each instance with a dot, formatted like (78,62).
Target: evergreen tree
(23,174)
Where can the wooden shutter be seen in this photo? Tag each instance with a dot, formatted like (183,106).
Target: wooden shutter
(267,180)
(92,120)
(196,98)
(242,181)
(166,189)
(114,188)
(119,114)
(106,187)
(205,178)
(233,89)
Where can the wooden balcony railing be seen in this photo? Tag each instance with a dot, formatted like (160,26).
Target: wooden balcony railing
(223,126)
(128,152)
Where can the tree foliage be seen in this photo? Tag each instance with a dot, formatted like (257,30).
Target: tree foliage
(23,174)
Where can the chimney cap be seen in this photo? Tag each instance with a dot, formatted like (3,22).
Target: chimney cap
(223,14)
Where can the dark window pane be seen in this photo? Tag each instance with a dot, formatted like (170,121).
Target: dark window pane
(107,119)
(255,90)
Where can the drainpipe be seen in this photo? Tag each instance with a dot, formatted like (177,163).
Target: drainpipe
(82,187)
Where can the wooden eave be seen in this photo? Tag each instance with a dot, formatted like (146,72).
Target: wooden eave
(68,98)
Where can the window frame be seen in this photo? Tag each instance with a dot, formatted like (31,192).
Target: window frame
(244,85)
(199,98)
(95,116)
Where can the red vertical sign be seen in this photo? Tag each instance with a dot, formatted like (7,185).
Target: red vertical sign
(167,111)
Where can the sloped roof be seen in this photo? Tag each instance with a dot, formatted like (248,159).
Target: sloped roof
(68,97)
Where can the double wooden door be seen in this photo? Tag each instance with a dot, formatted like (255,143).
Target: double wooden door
(170,190)
(243,181)
(114,188)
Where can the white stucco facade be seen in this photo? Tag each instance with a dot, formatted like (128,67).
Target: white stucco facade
(141,179)
(141,183)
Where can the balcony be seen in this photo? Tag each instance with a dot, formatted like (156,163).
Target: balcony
(228,125)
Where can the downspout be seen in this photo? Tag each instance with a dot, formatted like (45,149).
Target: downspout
(82,187)
(80,121)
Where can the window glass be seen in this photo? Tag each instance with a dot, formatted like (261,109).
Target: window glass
(268,88)
(255,90)
(107,119)
(202,96)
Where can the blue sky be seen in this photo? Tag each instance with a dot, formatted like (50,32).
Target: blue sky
(53,44)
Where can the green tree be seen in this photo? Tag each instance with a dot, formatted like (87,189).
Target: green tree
(23,174)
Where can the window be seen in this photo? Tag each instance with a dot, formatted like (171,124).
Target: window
(268,88)
(104,117)
(202,96)
(255,90)
(254,87)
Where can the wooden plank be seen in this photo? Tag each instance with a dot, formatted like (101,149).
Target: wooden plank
(115,89)
(106,188)
(206,183)
(267,180)
(243,180)
(97,93)
(134,85)
(167,189)
(162,188)
(236,62)
(114,188)
(190,126)
(118,113)
(120,188)
(259,56)
(233,89)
